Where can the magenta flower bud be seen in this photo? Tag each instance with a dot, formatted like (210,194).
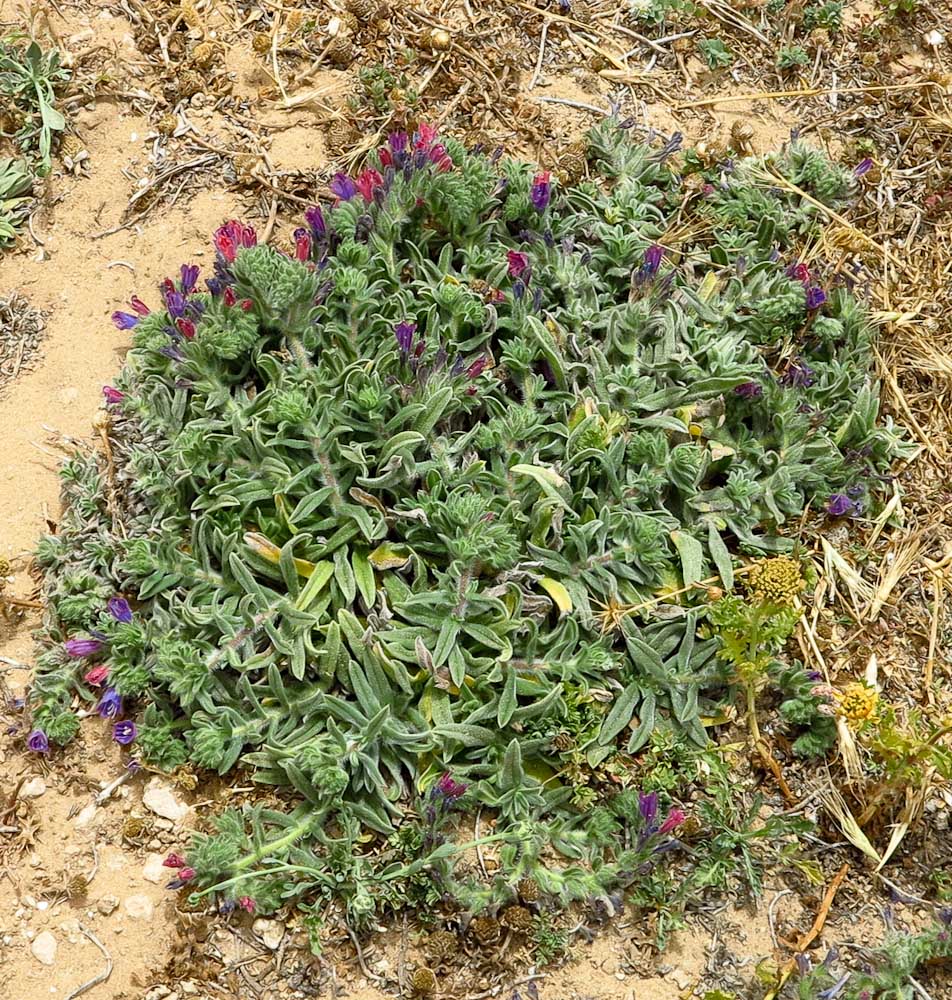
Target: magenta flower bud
(749,390)
(139,306)
(174,861)
(450,789)
(38,742)
(186,874)
(186,328)
(302,244)
(112,395)
(96,675)
(124,732)
(518,263)
(477,367)
(82,647)
(674,819)
(247,904)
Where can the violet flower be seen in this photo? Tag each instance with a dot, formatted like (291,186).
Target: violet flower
(652,260)
(863,167)
(119,608)
(38,742)
(315,219)
(798,375)
(112,395)
(839,505)
(175,303)
(648,807)
(343,187)
(518,263)
(749,390)
(815,297)
(124,321)
(124,732)
(189,274)
(110,704)
(82,647)
(404,333)
(541,190)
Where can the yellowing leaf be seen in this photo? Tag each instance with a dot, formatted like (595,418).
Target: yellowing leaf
(708,287)
(388,556)
(558,593)
(264,547)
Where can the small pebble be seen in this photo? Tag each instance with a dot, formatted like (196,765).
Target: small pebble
(44,948)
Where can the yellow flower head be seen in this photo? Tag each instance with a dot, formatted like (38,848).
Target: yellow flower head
(857,702)
(775,581)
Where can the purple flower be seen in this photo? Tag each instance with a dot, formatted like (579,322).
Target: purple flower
(175,303)
(189,274)
(82,647)
(449,789)
(398,142)
(404,333)
(124,732)
(112,395)
(315,219)
(518,263)
(749,390)
(798,375)
(343,187)
(652,261)
(119,608)
(110,705)
(815,297)
(839,505)
(648,807)
(863,167)
(541,190)
(124,321)
(38,742)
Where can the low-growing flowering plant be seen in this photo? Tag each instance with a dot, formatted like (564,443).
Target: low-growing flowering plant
(394,500)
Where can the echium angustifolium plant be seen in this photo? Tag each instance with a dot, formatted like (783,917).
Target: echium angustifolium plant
(387,506)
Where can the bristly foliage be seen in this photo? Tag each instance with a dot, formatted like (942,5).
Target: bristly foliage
(395,504)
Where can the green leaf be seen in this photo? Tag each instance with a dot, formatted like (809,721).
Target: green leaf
(692,556)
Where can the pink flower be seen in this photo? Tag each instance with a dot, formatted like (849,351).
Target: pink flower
(229,296)
(174,861)
(186,874)
(518,263)
(799,272)
(186,328)
(139,306)
(302,244)
(425,134)
(246,305)
(231,237)
(386,160)
(675,818)
(368,182)
(97,675)
(247,904)
(477,367)
(112,395)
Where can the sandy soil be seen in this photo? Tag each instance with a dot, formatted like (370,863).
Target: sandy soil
(78,277)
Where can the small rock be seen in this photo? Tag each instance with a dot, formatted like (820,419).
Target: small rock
(86,815)
(107,905)
(158,798)
(933,39)
(188,988)
(33,788)
(153,870)
(70,928)
(44,948)
(139,907)
(271,932)
(681,979)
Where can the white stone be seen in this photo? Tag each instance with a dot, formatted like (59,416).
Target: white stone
(934,39)
(153,871)
(44,948)
(33,788)
(107,905)
(86,815)
(158,798)
(139,907)
(271,932)
(70,927)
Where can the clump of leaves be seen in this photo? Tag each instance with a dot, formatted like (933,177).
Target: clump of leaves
(891,975)
(792,57)
(716,54)
(29,77)
(15,183)
(436,492)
